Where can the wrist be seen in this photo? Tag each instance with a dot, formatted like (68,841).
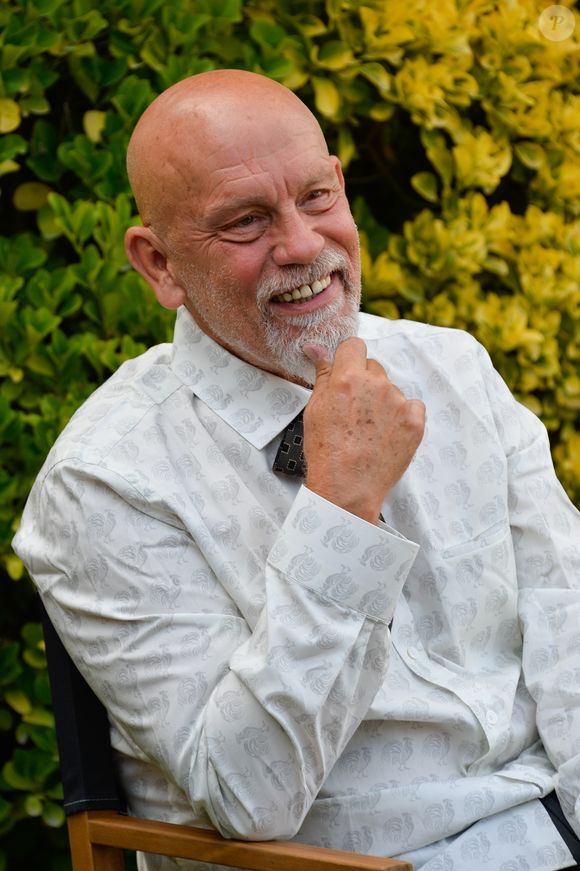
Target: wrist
(361,505)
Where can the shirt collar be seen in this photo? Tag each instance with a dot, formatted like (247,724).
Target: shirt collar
(256,403)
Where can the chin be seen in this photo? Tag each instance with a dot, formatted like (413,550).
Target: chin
(287,349)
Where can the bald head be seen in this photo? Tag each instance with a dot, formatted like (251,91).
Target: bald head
(192,120)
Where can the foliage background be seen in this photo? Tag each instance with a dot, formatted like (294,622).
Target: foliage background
(459,126)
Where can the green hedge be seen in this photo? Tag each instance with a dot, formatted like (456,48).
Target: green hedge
(459,126)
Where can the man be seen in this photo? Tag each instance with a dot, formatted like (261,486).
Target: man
(382,657)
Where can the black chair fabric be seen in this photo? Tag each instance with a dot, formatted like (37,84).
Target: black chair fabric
(86,760)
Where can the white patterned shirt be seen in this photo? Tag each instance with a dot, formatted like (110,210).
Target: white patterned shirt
(236,625)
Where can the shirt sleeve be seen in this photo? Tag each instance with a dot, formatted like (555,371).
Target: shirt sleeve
(546,535)
(247,721)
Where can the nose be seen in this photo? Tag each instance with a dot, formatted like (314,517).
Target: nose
(296,240)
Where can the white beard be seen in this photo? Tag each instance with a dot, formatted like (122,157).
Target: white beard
(326,327)
(316,328)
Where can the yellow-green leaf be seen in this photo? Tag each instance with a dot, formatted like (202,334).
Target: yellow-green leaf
(18,701)
(7,166)
(425,184)
(378,75)
(382,112)
(94,124)
(9,115)
(53,815)
(310,25)
(47,223)
(346,146)
(13,564)
(335,55)
(33,806)
(30,196)
(531,154)
(326,96)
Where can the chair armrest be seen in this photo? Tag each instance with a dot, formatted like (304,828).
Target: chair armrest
(111,829)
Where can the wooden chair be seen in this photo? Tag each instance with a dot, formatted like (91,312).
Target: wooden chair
(99,829)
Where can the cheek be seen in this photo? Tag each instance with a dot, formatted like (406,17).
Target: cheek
(343,230)
(240,266)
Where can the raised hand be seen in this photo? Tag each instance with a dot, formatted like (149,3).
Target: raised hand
(360,433)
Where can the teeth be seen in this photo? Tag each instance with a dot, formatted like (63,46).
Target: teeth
(304,292)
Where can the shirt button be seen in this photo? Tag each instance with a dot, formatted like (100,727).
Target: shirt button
(491,718)
(412,652)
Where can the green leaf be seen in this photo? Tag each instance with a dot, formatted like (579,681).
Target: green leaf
(39,323)
(496,265)
(41,685)
(53,815)
(346,146)
(46,7)
(132,97)
(30,196)
(9,115)
(335,55)
(310,25)
(85,27)
(267,33)
(378,76)
(12,145)
(18,701)
(10,667)
(438,154)
(28,769)
(530,154)
(19,256)
(40,365)
(326,96)
(40,716)
(228,10)
(84,71)
(47,223)
(43,159)
(34,106)
(33,635)
(33,806)
(425,184)
(5,809)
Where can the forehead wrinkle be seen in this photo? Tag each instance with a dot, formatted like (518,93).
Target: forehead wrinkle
(219,202)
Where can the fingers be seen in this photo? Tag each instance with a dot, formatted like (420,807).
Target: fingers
(350,353)
(318,355)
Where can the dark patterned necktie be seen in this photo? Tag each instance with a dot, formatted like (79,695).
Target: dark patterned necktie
(290,457)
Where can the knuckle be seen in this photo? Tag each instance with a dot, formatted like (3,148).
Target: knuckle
(343,382)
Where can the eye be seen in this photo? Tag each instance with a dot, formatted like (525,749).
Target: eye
(319,199)
(246,221)
(245,228)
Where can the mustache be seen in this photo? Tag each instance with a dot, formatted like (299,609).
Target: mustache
(289,277)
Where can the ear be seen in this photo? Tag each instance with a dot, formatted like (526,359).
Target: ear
(147,255)
(338,169)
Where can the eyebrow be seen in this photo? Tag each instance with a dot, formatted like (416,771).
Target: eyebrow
(221,211)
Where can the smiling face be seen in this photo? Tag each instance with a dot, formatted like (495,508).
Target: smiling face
(260,239)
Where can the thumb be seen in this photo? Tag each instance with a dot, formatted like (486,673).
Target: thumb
(319,356)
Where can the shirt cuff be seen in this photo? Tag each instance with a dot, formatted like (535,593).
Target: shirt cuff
(342,557)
